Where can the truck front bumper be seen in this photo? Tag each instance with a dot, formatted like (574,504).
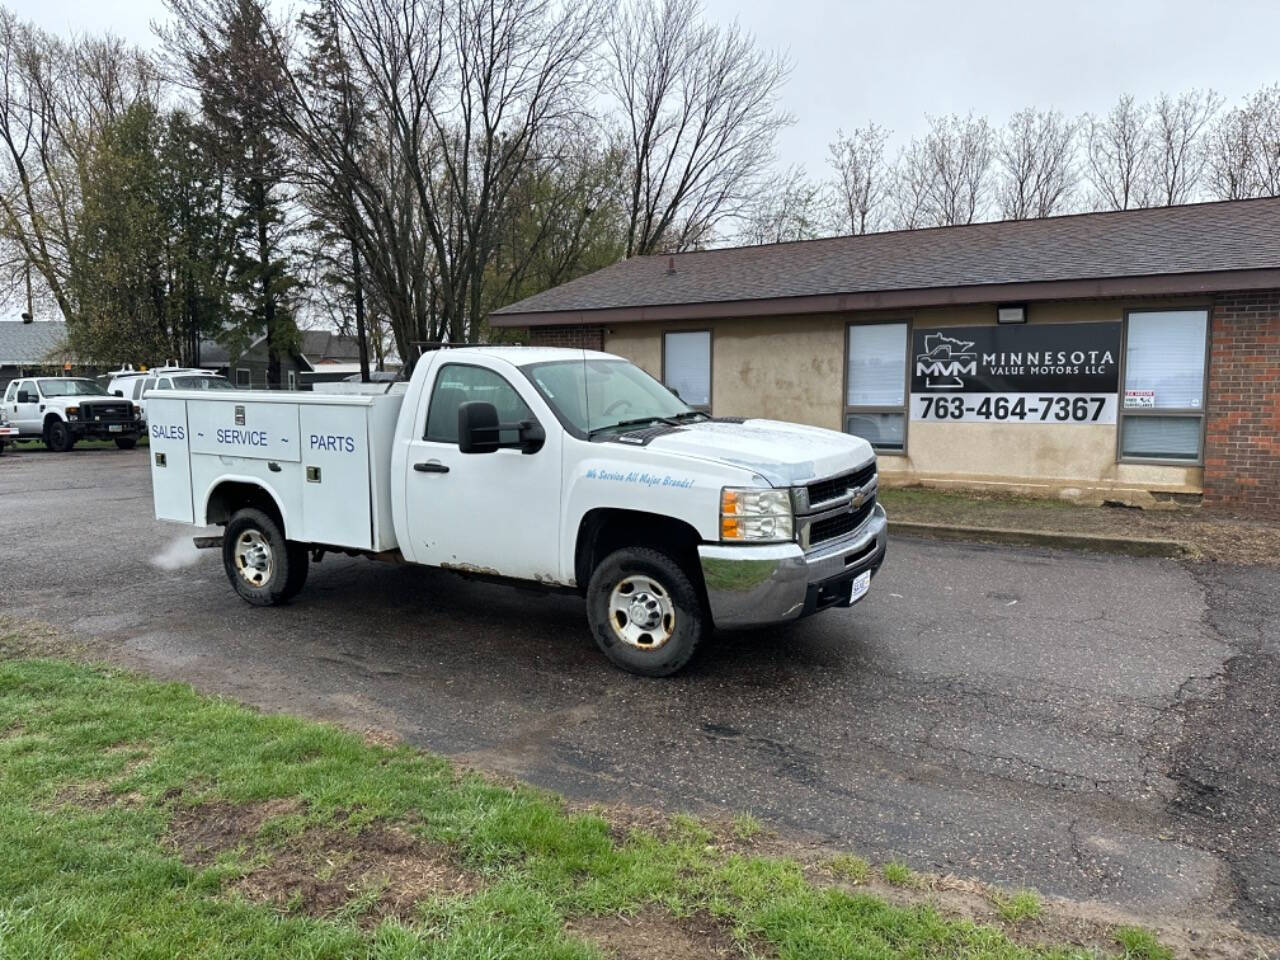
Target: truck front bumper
(104,429)
(751,586)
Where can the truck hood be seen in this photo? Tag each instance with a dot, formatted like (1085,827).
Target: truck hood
(785,454)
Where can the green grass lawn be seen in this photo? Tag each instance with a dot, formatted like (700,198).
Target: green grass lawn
(140,819)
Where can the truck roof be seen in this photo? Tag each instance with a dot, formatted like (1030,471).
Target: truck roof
(524,356)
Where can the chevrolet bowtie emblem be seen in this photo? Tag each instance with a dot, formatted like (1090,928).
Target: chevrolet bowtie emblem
(859,498)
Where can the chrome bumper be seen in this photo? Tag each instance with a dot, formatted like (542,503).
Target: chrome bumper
(749,586)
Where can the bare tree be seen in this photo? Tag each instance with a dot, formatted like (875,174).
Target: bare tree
(1264,110)
(862,183)
(790,207)
(459,99)
(948,173)
(1178,153)
(911,182)
(1037,160)
(55,98)
(1230,170)
(1243,149)
(1119,152)
(699,106)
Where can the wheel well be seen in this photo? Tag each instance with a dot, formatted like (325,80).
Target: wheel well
(605,530)
(51,417)
(232,495)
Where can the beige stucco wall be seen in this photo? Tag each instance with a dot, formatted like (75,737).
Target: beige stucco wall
(792,368)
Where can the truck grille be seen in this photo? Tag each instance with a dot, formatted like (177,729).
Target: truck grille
(833,488)
(94,412)
(833,527)
(831,512)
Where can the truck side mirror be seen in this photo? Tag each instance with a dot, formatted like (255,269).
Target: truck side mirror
(532,436)
(477,427)
(24,396)
(117,393)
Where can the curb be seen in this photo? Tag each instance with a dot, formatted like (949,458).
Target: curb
(1094,542)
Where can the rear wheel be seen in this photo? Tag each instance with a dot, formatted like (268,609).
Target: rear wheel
(645,612)
(263,567)
(58,437)
(126,443)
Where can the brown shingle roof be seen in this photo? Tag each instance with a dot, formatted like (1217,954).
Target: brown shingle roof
(1207,238)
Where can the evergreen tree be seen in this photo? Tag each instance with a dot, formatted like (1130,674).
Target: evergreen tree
(226,46)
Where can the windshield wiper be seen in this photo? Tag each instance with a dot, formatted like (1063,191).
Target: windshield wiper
(634,422)
(690,413)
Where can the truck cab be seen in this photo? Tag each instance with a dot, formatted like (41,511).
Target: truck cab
(62,410)
(134,384)
(570,469)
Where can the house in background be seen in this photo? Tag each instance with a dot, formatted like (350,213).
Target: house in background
(31,348)
(333,357)
(322,357)
(248,370)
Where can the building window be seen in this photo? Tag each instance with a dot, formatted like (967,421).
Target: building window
(1162,407)
(686,366)
(293,380)
(242,377)
(875,404)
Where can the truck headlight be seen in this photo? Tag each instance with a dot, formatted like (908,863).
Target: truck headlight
(748,513)
(73,412)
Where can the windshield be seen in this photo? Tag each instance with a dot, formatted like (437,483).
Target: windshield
(595,395)
(71,388)
(201,383)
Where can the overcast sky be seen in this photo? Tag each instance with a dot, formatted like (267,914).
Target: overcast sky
(893,61)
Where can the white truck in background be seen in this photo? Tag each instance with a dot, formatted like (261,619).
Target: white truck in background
(63,410)
(571,469)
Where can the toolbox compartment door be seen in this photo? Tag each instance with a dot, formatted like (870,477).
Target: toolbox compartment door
(336,502)
(170,459)
(244,428)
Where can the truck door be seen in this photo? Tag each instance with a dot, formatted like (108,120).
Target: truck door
(26,416)
(486,513)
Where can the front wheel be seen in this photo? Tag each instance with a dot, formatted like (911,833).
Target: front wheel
(645,612)
(263,567)
(58,437)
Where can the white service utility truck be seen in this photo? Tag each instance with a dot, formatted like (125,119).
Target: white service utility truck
(570,469)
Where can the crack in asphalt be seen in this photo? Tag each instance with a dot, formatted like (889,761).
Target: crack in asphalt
(1218,804)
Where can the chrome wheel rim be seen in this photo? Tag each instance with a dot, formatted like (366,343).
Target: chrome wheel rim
(253,558)
(641,612)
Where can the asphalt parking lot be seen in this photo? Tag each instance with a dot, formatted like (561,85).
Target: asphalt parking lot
(1098,727)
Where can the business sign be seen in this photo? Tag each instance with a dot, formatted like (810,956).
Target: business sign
(1024,373)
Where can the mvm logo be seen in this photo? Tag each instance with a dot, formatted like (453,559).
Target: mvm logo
(945,361)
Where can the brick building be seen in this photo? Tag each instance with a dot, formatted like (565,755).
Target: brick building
(1132,355)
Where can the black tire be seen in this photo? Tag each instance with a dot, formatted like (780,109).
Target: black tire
(58,437)
(671,644)
(126,443)
(268,580)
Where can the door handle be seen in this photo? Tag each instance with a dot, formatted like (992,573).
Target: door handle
(431,466)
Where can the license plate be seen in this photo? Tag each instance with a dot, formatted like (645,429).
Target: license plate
(861,584)
(115,428)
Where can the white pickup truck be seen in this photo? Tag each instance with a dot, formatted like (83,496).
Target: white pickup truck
(571,469)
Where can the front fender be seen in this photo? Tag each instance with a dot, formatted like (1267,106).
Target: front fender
(614,476)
